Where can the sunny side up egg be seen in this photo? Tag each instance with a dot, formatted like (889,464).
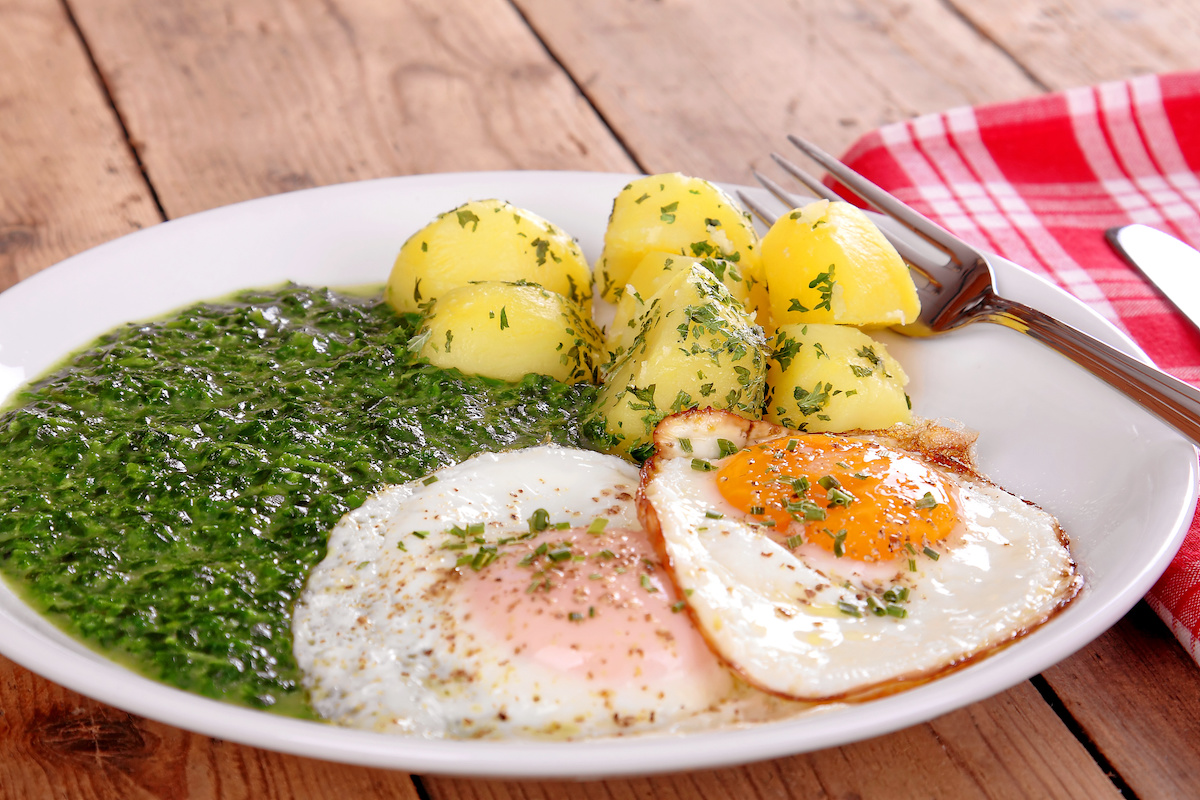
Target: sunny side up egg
(829,567)
(512,595)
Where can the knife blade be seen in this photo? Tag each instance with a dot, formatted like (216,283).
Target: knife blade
(1170,264)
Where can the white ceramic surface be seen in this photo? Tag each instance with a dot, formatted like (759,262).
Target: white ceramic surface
(1122,483)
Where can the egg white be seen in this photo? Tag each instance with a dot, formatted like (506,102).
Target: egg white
(386,643)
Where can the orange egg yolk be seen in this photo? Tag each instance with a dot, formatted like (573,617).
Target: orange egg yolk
(856,499)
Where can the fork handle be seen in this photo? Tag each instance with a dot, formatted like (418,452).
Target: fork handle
(1174,401)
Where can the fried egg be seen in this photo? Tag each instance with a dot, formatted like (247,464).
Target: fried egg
(512,595)
(829,566)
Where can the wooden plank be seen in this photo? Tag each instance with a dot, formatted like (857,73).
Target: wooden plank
(708,88)
(55,743)
(233,101)
(68,180)
(1009,746)
(1136,694)
(1067,43)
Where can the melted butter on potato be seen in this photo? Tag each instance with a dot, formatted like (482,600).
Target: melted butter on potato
(829,263)
(833,378)
(487,240)
(506,331)
(674,213)
(695,346)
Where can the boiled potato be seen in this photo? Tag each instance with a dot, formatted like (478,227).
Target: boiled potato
(487,240)
(831,378)
(508,330)
(673,213)
(828,263)
(655,271)
(696,346)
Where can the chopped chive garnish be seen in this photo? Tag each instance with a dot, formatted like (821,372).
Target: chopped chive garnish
(559,555)
(591,611)
(726,447)
(688,592)
(429,480)
(791,445)
(843,465)
(928,501)
(929,551)
(909,547)
(685,445)
(575,616)
(678,606)
(597,526)
(849,609)
(713,514)
(539,520)
(454,546)
(700,465)
(840,497)
(400,546)
(595,576)
(475,527)
(645,581)
(541,549)
(561,526)
(912,565)
(792,542)
(828,482)
(420,534)
(839,542)
(757,510)
(897,611)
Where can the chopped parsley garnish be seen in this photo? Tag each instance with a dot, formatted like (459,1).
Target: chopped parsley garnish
(927,501)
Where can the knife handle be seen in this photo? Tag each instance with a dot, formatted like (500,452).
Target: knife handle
(1172,400)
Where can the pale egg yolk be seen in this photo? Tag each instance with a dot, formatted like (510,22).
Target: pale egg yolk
(853,498)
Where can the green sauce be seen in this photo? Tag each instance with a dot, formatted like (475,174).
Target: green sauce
(164,494)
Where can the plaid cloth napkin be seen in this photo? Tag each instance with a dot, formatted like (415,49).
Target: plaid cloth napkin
(1038,181)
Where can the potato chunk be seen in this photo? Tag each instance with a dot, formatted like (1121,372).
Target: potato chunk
(674,213)
(829,263)
(831,378)
(655,271)
(487,240)
(508,330)
(696,346)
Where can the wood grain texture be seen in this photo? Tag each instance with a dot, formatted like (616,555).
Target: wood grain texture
(708,87)
(1011,746)
(68,180)
(55,743)
(1136,694)
(230,101)
(1065,43)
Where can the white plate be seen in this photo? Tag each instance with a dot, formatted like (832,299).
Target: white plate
(1122,483)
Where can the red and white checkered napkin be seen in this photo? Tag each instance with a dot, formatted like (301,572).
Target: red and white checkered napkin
(1039,181)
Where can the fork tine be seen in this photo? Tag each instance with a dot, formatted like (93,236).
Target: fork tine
(813,184)
(884,202)
(758,209)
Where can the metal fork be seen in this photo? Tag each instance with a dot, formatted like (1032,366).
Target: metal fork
(959,289)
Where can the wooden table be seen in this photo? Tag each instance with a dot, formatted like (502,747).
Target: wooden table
(119,114)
